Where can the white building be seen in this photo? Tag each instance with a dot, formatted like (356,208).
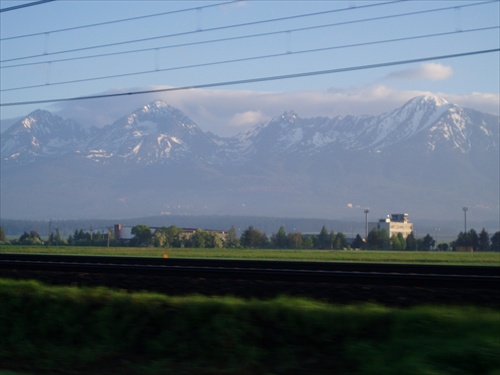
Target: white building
(393,224)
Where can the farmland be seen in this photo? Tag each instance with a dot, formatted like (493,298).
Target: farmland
(417,257)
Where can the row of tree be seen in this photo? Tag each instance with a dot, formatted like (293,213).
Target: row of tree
(251,237)
(478,242)
(380,240)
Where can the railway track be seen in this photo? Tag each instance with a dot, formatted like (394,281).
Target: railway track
(401,275)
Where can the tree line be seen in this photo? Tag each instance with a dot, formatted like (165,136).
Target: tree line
(477,242)
(174,237)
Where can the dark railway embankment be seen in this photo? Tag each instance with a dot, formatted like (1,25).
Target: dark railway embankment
(388,284)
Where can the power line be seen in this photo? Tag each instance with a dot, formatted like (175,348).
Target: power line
(15,7)
(116,21)
(217,28)
(287,53)
(258,79)
(221,39)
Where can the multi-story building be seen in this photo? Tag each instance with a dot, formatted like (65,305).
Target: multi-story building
(393,224)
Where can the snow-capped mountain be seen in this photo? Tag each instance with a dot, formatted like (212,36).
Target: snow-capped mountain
(40,135)
(428,122)
(158,133)
(154,133)
(427,157)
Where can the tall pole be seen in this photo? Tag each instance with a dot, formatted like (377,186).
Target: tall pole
(366,222)
(465,219)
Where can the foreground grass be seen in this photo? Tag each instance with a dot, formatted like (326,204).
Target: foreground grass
(424,257)
(47,329)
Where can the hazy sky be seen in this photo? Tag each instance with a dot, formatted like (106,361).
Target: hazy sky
(68,49)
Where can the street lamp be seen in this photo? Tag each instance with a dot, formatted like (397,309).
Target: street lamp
(366,222)
(465,219)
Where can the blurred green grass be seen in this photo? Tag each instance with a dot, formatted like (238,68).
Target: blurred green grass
(100,330)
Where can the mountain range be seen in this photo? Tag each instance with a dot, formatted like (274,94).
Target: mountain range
(428,158)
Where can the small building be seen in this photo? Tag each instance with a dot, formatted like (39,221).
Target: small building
(393,224)
(123,232)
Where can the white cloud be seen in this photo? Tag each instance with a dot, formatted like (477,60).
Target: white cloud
(247,118)
(228,112)
(427,71)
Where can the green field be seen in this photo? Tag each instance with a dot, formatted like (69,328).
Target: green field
(424,257)
(68,330)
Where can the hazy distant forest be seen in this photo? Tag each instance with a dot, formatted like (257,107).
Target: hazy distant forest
(174,237)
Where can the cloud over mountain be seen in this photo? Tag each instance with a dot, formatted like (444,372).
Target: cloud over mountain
(228,112)
(428,71)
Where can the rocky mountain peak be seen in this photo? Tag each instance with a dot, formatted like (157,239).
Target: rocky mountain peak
(35,117)
(289,116)
(164,117)
(42,134)
(153,133)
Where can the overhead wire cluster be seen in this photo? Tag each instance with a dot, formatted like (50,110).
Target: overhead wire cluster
(221,36)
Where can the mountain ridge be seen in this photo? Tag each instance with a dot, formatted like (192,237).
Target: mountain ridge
(426,157)
(165,131)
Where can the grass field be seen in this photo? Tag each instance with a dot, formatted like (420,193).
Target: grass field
(424,257)
(68,330)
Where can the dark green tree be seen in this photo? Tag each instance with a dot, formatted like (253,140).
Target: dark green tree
(484,241)
(31,238)
(55,239)
(340,241)
(443,247)
(473,239)
(79,238)
(358,242)
(384,242)
(378,240)
(324,241)
(373,239)
(307,242)
(142,236)
(411,243)
(428,242)
(461,241)
(495,242)
(396,243)
(252,237)
(469,240)
(279,240)
(201,239)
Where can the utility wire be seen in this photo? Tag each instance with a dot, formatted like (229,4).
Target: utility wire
(314,50)
(117,21)
(25,5)
(217,28)
(220,39)
(257,79)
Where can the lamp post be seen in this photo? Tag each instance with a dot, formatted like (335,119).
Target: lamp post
(465,219)
(366,222)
